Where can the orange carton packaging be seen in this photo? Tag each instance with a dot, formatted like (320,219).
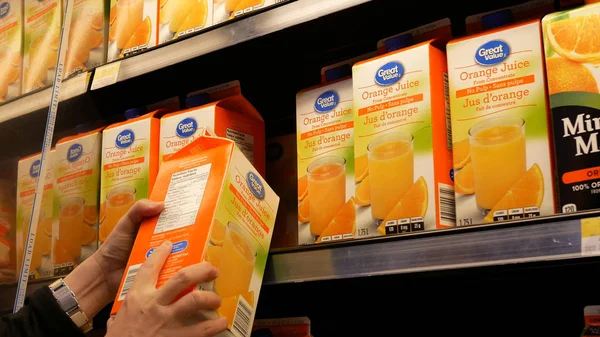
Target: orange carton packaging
(75,214)
(133,27)
(11,46)
(8,185)
(227,115)
(182,17)
(217,209)
(440,30)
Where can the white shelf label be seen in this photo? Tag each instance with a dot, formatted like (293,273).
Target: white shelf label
(106,75)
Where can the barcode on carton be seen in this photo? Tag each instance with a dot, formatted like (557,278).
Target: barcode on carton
(242,322)
(447,205)
(131,274)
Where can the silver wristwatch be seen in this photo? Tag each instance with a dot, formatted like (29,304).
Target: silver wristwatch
(67,301)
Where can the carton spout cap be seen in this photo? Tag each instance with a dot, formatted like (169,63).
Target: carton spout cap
(196,100)
(135,112)
(336,73)
(497,19)
(399,42)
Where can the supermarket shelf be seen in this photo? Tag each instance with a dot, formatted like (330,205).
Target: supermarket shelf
(72,87)
(269,21)
(542,239)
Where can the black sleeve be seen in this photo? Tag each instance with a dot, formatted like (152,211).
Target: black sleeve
(41,316)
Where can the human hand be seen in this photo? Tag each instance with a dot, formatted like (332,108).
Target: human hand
(151,312)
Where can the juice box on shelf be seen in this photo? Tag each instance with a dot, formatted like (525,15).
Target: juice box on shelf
(181,17)
(76,190)
(88,36)
(525,11)
(218,209)
(573,76)
(41,265)
(500,127)
(42,27)
(11,38)
(403,156)
(232,117)
(228,9)
(133,27)
(284,327)
(129,165)
(8,192)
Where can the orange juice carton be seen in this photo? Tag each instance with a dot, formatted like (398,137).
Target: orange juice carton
(88,36)
(42,28)
(182,17)
(403,156)
(76,190)
(41,265)
(529,10)
(440,30)
(592,321)
(229,9)
(11,38)
(282,175)
(232,117)
(230,228)
(500,126)
(133,27)
(326,167)
(129,165)
(282,327)
(572,75)
(8,192)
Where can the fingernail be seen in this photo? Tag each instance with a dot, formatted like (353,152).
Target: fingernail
(166,244)
(216,271)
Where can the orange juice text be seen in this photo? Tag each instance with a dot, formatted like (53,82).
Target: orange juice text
(76,190)
(325,140)
(43,21)
(40,265)
(11,38)
(500,132)
(218,209)
(129,167)
(132,27)
(228,9)
(232,117)
(181,17)
(87,37)
(401,148)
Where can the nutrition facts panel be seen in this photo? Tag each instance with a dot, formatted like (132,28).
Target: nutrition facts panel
(244,142)
(183,199)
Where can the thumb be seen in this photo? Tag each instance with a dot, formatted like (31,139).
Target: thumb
(140,210)
(110,322)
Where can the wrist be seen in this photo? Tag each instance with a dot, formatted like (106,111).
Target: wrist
(88,284)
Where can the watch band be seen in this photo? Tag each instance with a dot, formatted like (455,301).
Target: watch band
(68,302)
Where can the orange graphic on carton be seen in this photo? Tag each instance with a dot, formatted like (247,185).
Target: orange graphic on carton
(219,209)
(11,48)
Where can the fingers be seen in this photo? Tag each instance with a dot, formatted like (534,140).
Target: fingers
(183,279)
(195,301)
(141,209)
(208,328)
(110,322)
(148,274)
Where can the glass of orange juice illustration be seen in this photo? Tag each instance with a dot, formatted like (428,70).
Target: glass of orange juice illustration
(118,201)
(236,263)
(70,225)
(129,15)
(326,190)
(497,156)
(391,170)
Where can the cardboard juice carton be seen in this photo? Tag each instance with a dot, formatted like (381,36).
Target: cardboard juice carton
(228,9)
(133,27)
(42,27)
(219,209)
(500,127)
(129,165)
(232,117)
(76,190)
(440,30)
(8,192)
(181,17)
(88,36)
(28,172)
(403,157)
(11,38)
(573,76)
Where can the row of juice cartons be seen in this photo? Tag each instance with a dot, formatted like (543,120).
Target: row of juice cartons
(94,177)
(100,30)
(498,125)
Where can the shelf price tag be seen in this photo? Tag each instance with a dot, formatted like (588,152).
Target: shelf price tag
(590,236)
(106,75)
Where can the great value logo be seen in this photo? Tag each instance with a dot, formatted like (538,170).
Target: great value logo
(389,73)
(256,185)
(74,152)
(186,127)
(4,9)
(34,170)
(124,139)
(327,101)
(492,52)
